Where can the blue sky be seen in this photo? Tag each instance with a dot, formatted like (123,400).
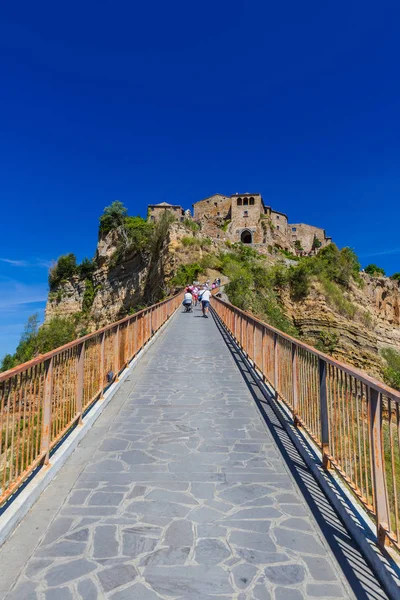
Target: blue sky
(151,102)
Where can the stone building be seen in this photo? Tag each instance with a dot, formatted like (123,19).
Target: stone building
(156,210)
(245,218)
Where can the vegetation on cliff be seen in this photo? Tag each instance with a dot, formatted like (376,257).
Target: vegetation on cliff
(38,339)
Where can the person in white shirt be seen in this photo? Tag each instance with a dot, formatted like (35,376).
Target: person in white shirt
(187,299)
(205,302)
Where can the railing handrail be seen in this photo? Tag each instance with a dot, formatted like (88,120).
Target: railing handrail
(364,377)
(43,357)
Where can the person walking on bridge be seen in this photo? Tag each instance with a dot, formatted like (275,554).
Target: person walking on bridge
(205,302)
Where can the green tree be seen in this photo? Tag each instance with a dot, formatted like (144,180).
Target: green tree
(298,245)
(86,268)
(395,276)
(316,243)
(113,217)
(63,270)
(374,270)
(8,362)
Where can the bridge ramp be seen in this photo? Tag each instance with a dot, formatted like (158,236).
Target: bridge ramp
(181,491)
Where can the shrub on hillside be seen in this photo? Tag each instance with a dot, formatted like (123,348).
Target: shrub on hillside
(391,372)
(39,340)
(63,270)
(374,270)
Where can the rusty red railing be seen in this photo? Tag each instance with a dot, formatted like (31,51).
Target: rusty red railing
(41,400)
(352,418)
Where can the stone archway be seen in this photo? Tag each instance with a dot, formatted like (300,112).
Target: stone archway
(246,237)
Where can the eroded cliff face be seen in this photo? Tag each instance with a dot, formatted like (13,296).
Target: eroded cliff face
(140,278)
(357,340)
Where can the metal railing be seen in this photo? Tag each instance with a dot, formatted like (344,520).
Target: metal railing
(41,400)
(353,418)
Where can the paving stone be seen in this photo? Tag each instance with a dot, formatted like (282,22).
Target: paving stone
(158,509)
(188,580)
(116,576)
(57,529)
(113,445)
(133,544)
(58,593)
(82,535)
(87,589)
(284,593)
(69,571)
(138,490)
(296,540)
(324,590)
(261,558)
(78,497)
(166,556)
(204,515)
(136,457)
(260,592)
(252,541)
(179,533)
(62,549)
(299,524)
(211,552)
(106,499)
(285,574)
(168,496)
(136,591)
(105,542)
(243,575)
(319,568)
(35,566)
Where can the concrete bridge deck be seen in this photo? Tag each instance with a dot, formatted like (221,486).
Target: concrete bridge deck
(184,489)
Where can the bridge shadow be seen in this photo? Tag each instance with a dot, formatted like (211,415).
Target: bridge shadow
(356,570)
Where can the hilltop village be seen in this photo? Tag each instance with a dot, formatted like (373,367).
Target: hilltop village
(246,218)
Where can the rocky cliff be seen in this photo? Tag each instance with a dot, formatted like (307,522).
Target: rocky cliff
(119,285)
(357,339)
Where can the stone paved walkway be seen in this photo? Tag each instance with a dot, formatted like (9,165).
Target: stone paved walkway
(179,491)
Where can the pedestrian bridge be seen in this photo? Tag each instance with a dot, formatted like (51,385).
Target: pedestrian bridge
(190,483)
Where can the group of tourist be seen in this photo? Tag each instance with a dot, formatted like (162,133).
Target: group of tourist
(196,293)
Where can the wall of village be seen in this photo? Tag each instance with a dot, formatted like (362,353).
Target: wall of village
(212,215)
(305,233)
(156,212)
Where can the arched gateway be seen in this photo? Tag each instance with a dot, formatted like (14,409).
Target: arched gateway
(246,237)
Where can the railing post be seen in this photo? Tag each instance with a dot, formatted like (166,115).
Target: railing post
(295,386)
(276,359)
(47,402)
(116,353)
(79,381)
(102,369)
(378,473)
(324,413)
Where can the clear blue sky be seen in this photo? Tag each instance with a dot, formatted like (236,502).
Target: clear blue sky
(173,101)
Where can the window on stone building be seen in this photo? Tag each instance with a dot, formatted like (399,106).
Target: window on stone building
(152,218)
(252,201)
(277,226)
(245,201)
(293,228)
(239,202)
(152,208)
(218,214)
(245,213)
(277,216)
(215,203)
